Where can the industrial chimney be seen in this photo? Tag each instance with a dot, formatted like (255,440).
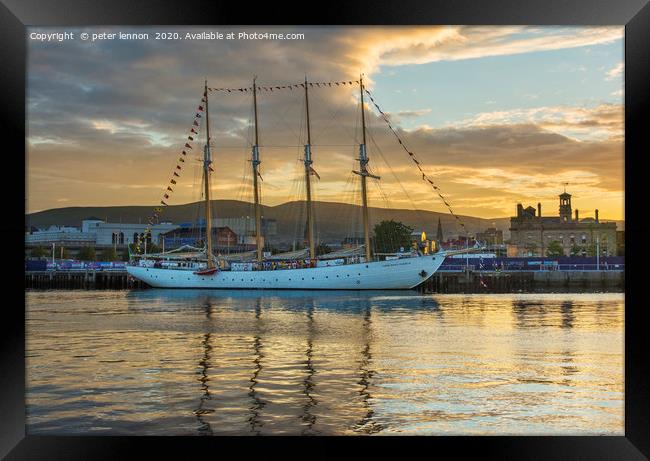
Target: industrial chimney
(596,215)
(576,214)
(539,209)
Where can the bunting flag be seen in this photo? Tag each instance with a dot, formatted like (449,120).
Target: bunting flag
(413,157)
(193,134)
(284,87)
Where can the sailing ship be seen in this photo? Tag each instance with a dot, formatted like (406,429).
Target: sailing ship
(191,267)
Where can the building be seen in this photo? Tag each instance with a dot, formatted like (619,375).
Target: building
(532,234)
(492,239)
(223,238)
(58,235)
(245,225)
(95,232)
(490,236)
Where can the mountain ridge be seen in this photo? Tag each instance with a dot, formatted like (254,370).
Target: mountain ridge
(333,220)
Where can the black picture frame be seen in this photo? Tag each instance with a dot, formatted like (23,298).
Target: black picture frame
(15,15)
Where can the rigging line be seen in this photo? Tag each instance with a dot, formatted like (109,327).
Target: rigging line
(381,154)
(282,117)
(425,177)
(322,130)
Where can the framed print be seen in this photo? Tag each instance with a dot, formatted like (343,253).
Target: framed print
(390,224)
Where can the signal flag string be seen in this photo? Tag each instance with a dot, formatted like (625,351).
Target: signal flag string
(288,87)
(426,178)
(417,163)
(175,175)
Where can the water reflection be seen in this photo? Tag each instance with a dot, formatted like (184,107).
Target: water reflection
(277,362)
(567,314)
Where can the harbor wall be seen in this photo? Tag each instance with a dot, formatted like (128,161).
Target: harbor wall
(515,281)
(88,280)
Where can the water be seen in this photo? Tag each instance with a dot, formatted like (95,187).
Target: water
(183,362)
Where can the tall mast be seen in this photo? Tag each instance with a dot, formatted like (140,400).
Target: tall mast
(308,169)
(363,163)
(207,160)
(256,192)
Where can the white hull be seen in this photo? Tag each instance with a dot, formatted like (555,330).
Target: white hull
(395,274)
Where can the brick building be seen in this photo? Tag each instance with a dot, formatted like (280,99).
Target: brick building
(531,234)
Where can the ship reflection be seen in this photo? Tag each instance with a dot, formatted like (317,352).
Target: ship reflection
(204,364)
(359,378)
(308,384)
(366,425)
(357,368)
(258,404)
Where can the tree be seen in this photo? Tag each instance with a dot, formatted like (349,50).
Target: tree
(591,249)
(576,250)
(322,249)
(554,249)
(38,252)
(391,235)
(109,254)
(86,254)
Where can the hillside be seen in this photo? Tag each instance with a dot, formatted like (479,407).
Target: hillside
(334,221)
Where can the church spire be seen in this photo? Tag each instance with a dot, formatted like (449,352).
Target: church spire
(439,232)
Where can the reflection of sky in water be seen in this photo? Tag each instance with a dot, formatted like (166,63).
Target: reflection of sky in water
(219,362)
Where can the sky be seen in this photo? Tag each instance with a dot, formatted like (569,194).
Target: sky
(497,116)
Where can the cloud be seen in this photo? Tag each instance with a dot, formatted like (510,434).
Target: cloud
(106,121)
(587,123)
(615,71)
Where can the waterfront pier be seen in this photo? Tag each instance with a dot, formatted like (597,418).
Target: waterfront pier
(85,279)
